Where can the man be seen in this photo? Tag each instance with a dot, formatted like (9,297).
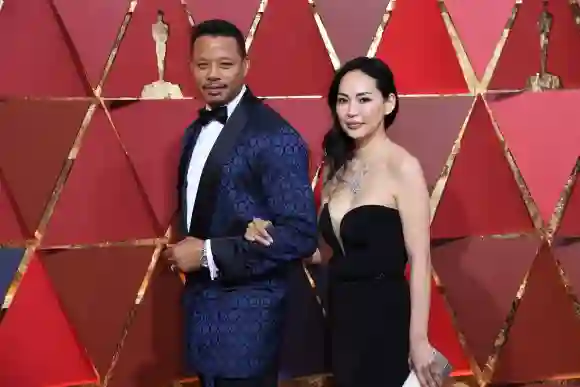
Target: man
(240,160)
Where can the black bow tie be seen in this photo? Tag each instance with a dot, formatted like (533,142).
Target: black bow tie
(219,114)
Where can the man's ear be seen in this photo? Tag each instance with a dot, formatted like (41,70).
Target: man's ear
(246,66)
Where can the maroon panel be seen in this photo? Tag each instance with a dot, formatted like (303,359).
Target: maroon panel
(302,65)
(151,132)
(542,340)
(483,274)
(152,353)
(35,139)
(570,223)
(422,59)
(241,13)
(97,288)
(37,61)
(93,27)
(350,25)
(38,345)
(468,206)
(135,64)
(520,57)
(428,127)
(534,136)
(101,200)
(480,35)
(567,252)
(11,229)
(311,118)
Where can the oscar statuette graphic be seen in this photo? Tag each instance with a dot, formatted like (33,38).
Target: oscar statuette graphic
(544,80)
(160,89)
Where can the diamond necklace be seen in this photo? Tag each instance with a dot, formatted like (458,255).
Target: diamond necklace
(354,184)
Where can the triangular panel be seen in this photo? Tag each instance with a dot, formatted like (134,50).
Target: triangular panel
(567,252)
(545,146)
(350,25)
(311,118)
(468,206)
(301,65)
(152,132)
(35,139)
(135,64)
(37,60)
(98,304)
(101,200)
(39,347)
(570,222)
(422,58)
(152,352)
(10,227)
(520,57)
(483,274)
(480,35)
(542,341)
(240,13)
(93,27)
(428,127)
(9,262)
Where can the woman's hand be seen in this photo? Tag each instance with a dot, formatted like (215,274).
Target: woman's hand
(256,231)
(422,356)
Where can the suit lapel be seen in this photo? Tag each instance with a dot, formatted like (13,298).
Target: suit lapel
(205,202)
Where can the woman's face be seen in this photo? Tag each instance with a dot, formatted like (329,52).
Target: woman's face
(360,106)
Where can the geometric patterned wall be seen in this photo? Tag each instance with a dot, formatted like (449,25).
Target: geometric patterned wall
(87,173)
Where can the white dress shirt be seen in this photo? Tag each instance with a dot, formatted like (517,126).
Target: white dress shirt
(201,151)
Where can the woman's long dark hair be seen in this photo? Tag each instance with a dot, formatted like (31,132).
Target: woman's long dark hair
(338,146)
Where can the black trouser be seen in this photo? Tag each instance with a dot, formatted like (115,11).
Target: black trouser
(268,379)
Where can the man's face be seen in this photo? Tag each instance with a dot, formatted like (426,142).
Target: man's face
(218,68)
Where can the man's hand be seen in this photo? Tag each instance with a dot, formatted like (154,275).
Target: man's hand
(186,255)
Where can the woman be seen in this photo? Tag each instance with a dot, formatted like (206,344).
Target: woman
(375,217)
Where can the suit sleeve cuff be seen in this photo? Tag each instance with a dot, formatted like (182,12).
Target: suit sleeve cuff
(213,270)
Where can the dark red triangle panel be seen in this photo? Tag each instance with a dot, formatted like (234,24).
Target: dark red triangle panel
(241,13)
(301,65)
(39,347)
(481,277)
(422,58)
(480,35)
(152,352)
(97,288)
(468,206)
(11,229)
(567,252)
(101,200)
(311,118)
(151,132)
(37,60)
(351,35)
(570,222)
(545,146)
(135,64)
(35,139)
(541,342)
(428,127)
(520,57)
(93,28)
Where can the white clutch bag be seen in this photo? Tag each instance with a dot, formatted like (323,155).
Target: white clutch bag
(442,366)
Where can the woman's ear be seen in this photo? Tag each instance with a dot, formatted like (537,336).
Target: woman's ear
(390,104)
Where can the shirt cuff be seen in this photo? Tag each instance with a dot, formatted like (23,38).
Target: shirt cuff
(213,270)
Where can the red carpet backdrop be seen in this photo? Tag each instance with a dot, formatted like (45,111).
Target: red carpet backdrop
(88,174)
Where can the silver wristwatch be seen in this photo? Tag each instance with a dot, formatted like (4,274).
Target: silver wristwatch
(204,257)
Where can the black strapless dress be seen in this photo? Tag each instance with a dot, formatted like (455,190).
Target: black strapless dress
(369,300)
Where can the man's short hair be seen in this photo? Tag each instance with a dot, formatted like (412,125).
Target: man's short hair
(218,27)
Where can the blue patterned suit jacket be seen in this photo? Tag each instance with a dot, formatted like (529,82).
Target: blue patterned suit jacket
(258,167)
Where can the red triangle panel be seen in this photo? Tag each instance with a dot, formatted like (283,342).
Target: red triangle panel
(93,27)
(98,304)
(541,343)
(40,63)
(135,64)
(39,347)
(468,206)
(10,227)
(567,252)
(240,13)
(35,139)
(483,274)
(302,65)
(545,146)
(422,59)
(101,200)
(570,222)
